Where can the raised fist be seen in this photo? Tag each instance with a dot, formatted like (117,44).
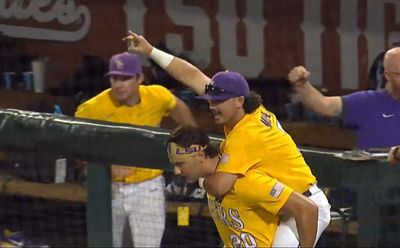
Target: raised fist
(394,155)
(298,76)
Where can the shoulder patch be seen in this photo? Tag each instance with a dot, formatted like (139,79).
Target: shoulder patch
(277,190)
(224,158)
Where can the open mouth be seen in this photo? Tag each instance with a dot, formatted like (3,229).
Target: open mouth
(214,112)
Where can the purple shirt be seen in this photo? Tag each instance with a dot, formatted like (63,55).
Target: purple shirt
(375,116)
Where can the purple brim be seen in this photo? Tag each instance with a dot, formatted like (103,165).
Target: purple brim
(221,97)
(118,73)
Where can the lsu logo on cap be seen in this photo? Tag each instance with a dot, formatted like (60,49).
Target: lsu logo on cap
(119,64)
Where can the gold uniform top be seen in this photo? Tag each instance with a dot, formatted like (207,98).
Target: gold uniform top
(259,141)
(155,102)
(240,217)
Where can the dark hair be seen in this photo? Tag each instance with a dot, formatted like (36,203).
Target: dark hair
(188,135)
(252,102)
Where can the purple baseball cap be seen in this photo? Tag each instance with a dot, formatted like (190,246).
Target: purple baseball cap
(124,64)
(225,85)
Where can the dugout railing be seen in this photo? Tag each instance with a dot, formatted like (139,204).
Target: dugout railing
(375,183)
(100,143)
(96,142)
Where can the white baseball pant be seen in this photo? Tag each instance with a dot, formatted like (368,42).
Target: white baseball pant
(143,205)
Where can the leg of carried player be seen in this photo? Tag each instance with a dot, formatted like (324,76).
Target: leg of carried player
(287,233)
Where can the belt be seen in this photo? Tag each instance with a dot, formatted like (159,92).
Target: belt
(307,193)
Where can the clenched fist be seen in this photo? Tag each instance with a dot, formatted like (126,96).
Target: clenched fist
(298,76)
(394,155)
(138,43)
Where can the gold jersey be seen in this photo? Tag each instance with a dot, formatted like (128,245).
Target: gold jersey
(259,141)
(155,102)
(240,217)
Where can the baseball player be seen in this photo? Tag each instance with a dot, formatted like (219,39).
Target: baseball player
(254,137)
(138,193)
(243,218)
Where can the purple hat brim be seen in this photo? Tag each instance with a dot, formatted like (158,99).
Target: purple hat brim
(118,73)
(220,97)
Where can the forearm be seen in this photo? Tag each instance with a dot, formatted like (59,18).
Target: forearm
(318,103)
(182,114)
(219,184)
(178,68)
(210,184)
(305,213)
(181,70)
(307,229)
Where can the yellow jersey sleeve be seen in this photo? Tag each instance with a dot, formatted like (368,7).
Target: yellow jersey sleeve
(266,193)
(164,97)
(94,107)
(83,112)
(238,155)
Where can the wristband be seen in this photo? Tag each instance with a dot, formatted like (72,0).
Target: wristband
(163,59)
(201,182)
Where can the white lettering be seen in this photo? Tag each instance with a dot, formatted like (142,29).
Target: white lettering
(252,64)
(222,215)
(196,18)
(237,223)
(312,39)
(348,32)
(245,240)
(395,36)
(135,11)
(375,29)
(64,12)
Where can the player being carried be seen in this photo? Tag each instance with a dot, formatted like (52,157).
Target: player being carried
(254,140)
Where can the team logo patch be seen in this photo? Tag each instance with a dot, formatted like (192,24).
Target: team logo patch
(277,190)
(119,64)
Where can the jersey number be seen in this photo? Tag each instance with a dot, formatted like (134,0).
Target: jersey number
(244,240)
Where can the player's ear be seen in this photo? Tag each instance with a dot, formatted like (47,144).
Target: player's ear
(239,101)
(140,78)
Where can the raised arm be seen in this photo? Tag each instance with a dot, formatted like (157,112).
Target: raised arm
(178,68)
(311,97)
